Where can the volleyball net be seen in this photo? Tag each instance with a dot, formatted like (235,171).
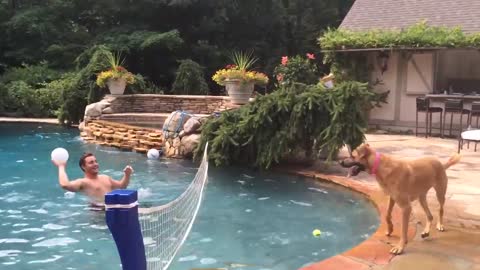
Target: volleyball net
(149,238)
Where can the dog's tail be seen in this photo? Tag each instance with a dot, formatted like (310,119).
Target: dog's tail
(454,159)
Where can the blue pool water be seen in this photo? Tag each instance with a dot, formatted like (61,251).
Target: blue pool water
(248,220)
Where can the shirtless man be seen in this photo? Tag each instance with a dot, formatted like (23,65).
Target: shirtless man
(92,184)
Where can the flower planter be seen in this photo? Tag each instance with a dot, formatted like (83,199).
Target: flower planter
(116,86)
(239,91)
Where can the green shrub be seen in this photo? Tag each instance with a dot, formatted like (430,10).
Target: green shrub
(21,98)
(190,79)
(33,75)
(306,117)
(80,88)
(3,98)
(415,36)
(73,98)
(49,96)
(25,90)
(142,86)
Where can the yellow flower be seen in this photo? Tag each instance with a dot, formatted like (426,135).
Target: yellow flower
(114,73)
(236,74)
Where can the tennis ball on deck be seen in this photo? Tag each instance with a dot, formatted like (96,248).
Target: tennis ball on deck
(316,232)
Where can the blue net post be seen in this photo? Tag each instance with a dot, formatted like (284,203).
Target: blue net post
(122,220)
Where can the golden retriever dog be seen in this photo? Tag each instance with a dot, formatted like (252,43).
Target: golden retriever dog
(404,181)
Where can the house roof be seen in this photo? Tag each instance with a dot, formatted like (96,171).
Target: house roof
(396,14)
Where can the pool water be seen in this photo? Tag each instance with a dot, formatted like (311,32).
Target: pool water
(248,220)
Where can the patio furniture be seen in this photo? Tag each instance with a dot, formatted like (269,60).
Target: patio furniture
(423,105)
(469,136)
(475,113)
(454,106)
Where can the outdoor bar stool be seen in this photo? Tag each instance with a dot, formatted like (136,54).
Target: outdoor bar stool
(423,105)
(475,113)
(454,106)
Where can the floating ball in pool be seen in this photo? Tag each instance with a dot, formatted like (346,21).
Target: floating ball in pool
(153,154)
(59,154)
(316,232)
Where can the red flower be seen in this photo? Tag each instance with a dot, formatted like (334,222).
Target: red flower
(284,60)
(310,56)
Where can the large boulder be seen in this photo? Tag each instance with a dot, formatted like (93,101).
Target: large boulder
(94,110)
(81,126)
(172,148)
(191,126)
(175,123)
(188,145)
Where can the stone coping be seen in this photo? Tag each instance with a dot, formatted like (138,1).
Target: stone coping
(171,96)
(29,120)
(373,252)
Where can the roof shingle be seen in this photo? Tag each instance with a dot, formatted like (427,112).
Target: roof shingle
(397,14)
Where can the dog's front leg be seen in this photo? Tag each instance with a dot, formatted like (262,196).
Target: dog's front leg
(406,210)
(388,218)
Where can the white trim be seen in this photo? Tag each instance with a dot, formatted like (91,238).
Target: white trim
(121,206)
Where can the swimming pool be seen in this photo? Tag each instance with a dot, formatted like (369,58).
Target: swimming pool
(248,220)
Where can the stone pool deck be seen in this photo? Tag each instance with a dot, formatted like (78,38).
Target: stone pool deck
(456,248)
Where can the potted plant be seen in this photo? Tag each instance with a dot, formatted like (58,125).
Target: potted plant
(117,77)
(238,80)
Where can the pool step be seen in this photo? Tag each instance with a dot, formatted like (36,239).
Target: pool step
(151,120)
(154,120)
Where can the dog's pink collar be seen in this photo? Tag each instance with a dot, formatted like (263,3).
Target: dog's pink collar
(376,164)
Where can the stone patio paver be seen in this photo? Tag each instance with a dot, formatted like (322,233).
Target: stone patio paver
(456,248)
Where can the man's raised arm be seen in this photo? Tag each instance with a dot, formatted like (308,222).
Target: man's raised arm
(73,186)
(123,183)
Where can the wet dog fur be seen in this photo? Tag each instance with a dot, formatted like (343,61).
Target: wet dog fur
(404,181)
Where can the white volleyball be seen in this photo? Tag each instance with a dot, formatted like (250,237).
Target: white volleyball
(60,154)
(153,154)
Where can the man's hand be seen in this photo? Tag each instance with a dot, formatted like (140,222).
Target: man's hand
(128,170)
(59,163)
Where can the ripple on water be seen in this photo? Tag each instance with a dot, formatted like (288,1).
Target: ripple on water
(69,195)
(11,263)
(13,240)
(28,230)
(208,261)
(206,240)
(8,184)
(51,226)
(61,241)
(144,193)
(188,258)
(9,253)
(55,258)
(38,211)
(15,197)
(318,190)
(99,227)
(301,203)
